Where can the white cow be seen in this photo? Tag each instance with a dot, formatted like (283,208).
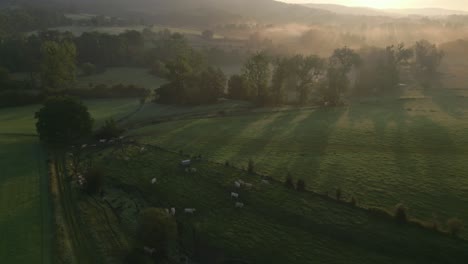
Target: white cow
(102,140)
(173,211)
(237,184)
(167,210)
(84,146)
(234,195)
(189,210)
(239,205)
(149,250)
(154,180)
(142,149)
(241,182)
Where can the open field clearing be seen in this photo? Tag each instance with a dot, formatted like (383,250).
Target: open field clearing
(122,75)
(25,227)
(409,150)
(276,224)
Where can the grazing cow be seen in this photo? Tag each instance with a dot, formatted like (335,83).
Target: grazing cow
(122,137)
(237,184)
(167,210)
(142,149)
(193,170)
(248,185)
(186,163)
(265,182)
(241,182)
(149,251)
(154,180)
(126,158)
(173,211)
(102,140)
(84,146)
(234,195)
(239,205)
(326,104)
(189,210)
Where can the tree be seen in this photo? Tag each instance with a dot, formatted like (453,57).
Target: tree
(58,66)
(339,66)
(157,229)
(63,120)
(212,84)
(237,88)
(257,74)
(309,72)
(455,226)
(427,57)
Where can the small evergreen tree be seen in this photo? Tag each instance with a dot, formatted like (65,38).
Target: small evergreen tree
(301,185)
(289,182)
(401,215)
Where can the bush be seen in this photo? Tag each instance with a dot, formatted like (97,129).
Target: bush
(157,229)
(401,215)
(301,185)
(251,167)
(338,194)
(94,180)
(455,226)
(109,130)
(88,69)
(289,182)
(226,163)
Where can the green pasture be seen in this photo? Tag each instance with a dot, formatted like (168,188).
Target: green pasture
(24,209)
(411,150)
(277,225)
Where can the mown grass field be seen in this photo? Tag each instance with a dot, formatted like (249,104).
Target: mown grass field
(277,225)
(122,75)
(25,232)
(411,150)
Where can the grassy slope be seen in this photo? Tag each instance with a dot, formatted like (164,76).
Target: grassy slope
(25,232)
(411,151)
(277,225)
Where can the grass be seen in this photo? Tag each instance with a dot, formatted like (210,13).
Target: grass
(24,209)
(122,75)
(277,225)
(408,150)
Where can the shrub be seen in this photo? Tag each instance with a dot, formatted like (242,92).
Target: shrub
(157,229)
(109,130)
(94,180)
(455,226)
(339,194)
(401,215)
(289,182)
(251,167)
(301,185)
(226,163)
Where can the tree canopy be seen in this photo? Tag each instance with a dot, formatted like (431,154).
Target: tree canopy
(62,121)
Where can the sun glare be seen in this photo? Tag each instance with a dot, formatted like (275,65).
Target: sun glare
(379,3)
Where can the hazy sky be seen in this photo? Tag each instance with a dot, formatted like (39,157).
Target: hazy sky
(448,4)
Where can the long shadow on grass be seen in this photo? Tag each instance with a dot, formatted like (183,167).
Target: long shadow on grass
(309,143)
(449,100)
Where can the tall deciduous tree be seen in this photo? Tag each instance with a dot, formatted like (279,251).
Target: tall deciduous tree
(257,74)
(63,120)
(427,57)
(58,64)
